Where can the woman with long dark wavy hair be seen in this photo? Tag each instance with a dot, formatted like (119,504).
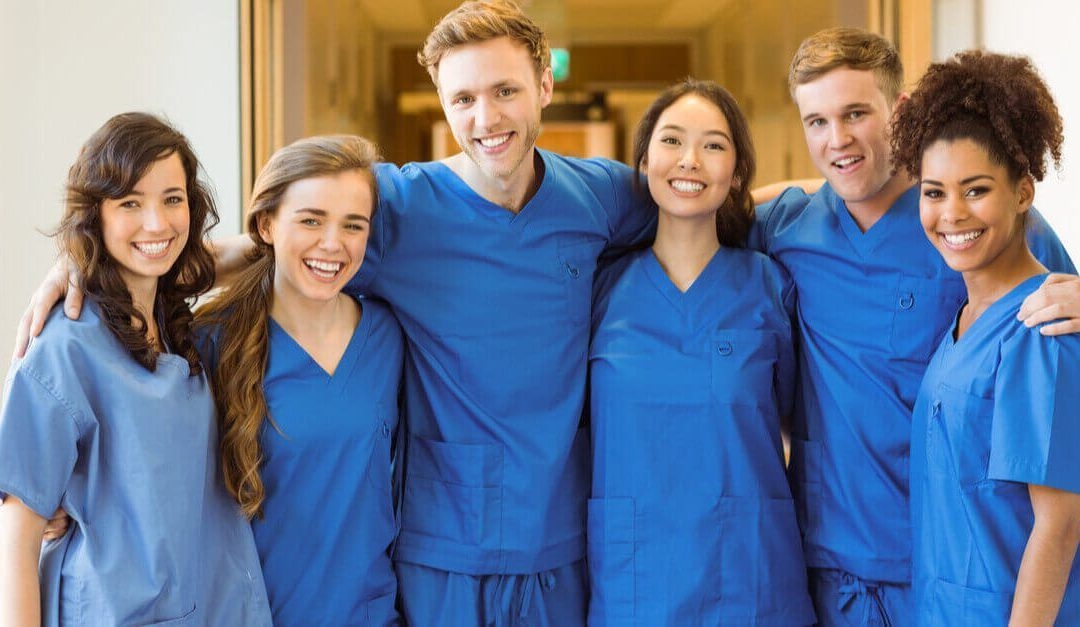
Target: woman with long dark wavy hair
(111,416)
(306,380)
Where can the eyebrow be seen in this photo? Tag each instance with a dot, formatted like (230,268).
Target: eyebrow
(970,179)
(171,190)
(850,107)
(322,214)
(676,127)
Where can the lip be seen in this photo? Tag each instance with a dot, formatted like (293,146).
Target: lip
(960,240)
(672,185)
(507,138)
(856,163)
(324,275)
(162,254)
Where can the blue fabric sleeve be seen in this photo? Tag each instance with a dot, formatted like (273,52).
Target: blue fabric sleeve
(786,368)
(632,214)
(386,175)
(1036,424)
(768,217)
(39,437)
(1045,245)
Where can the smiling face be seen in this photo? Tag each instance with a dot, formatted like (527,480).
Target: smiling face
(319,234)
(971,209)
(845,118)
(146,230)
(690,160)
(492,99)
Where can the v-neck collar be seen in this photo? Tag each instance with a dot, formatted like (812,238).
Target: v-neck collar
(297,356)
(986,322)
(686,302)
(864,243)
(484,208)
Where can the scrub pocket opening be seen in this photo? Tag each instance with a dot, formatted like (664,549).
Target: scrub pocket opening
(576,264)
(453,491)
(916,303)
(954,604)
(762,571)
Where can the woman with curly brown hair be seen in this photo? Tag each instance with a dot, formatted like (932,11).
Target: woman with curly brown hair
(306,380)
(995,482)
(111,416)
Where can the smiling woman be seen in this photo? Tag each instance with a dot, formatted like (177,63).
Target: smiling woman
(994,484)
(306,379)
(127,447)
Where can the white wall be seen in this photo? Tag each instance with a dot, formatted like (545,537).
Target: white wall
(1044,30)
(68,65)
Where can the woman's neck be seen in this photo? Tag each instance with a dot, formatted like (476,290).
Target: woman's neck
(986,286)
(685,247)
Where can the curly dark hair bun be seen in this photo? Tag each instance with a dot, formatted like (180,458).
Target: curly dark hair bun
(998,101)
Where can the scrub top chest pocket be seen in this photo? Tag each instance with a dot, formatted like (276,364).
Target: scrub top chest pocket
(743,365)
(575,264)
(915,302)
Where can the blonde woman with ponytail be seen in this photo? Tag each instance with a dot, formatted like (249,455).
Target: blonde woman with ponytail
(306,382)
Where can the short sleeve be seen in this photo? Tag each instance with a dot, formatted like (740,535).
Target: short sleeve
(632,217)
(386,181)
(1045,245)
(769,216)
(1036,425)
(38,443)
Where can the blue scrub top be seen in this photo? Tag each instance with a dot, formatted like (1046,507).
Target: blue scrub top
(495,309)
(324,540)
(997,411)
(131,455)
(871,309)
(691,520)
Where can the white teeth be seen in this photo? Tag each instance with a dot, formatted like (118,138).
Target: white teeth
(956,239)
(491,142)
(152,249)
(688,187)
(846,161)
(326,269)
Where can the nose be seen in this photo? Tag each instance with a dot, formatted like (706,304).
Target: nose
(688,160)
(953,210)
(154,218)
(487,113)
(839,137)
(331,239)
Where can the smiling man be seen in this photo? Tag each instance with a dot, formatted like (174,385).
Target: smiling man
(487,258)
(874,299)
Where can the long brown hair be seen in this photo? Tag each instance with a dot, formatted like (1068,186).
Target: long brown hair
(240,315)
(109,166)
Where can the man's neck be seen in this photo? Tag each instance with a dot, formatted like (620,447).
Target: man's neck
(510,192)
(867,212)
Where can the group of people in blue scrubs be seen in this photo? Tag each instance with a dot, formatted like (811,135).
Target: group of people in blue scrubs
(667,470)
(996,480)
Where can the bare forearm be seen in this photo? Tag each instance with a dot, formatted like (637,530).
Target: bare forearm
(20,548)
(1044,573)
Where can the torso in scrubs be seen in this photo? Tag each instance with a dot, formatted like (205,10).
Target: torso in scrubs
(871,308)
(131,456)
(328,519)
(997,411)
(691,520)
(495,310)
